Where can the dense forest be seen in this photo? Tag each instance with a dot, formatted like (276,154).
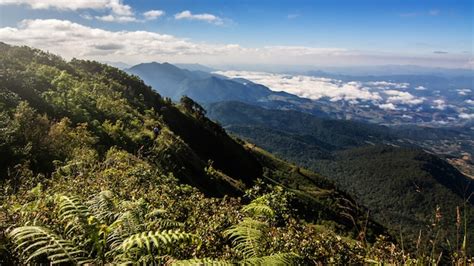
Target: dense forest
(87,179)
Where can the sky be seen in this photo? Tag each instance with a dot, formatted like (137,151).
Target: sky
(247,32)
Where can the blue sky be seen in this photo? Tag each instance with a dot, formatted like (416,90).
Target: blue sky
(434,33)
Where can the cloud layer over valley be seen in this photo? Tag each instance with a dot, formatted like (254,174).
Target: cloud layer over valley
(389,96)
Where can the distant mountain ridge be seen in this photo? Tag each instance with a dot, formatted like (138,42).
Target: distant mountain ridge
(195,67)
(204,87)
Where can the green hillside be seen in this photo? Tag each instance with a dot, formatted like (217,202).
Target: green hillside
(85,180)
(402,188)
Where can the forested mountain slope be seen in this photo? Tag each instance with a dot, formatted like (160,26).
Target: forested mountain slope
(403,187)
(86,180)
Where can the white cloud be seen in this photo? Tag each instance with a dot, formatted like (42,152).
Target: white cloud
(402,97)
(308,86)
(116,6)
(387,106)
(384,85)
(119,8)
(439,104)
(71,39)
(153,14)
(74,40)
(463,92)
(120,19)
(466,116)
(210,18)
(119,12)
(420,88)
(471,102)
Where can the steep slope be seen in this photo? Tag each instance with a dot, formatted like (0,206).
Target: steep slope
(402,187)
(119,109)
(46,102)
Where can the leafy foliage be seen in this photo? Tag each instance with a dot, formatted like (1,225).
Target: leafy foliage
(37,241)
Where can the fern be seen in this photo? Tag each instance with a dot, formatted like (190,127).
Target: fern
(158,240)
(259,207)
(205,261)
(155,213)
(246,236)
(71,207)
(74,212)
(103,207)
(276,259)
(163,224)
(37,241)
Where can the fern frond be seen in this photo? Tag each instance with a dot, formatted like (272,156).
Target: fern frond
(158,240)
(103,207)
(36,241)
(71,207)
(74,212)
(275,259)
(155,213)
(205,261)
(162,224)
(259,207)
(246,236)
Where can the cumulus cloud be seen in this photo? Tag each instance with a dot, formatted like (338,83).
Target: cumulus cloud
(209,18)
(113,18)
(74,40)
(466,116)
(387,106)
(308,86)
(153,14)
(471,102)
(116,6)
(71,39)
(463,92)
(402,97)
(439,104)
(118,11)
(420,88)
